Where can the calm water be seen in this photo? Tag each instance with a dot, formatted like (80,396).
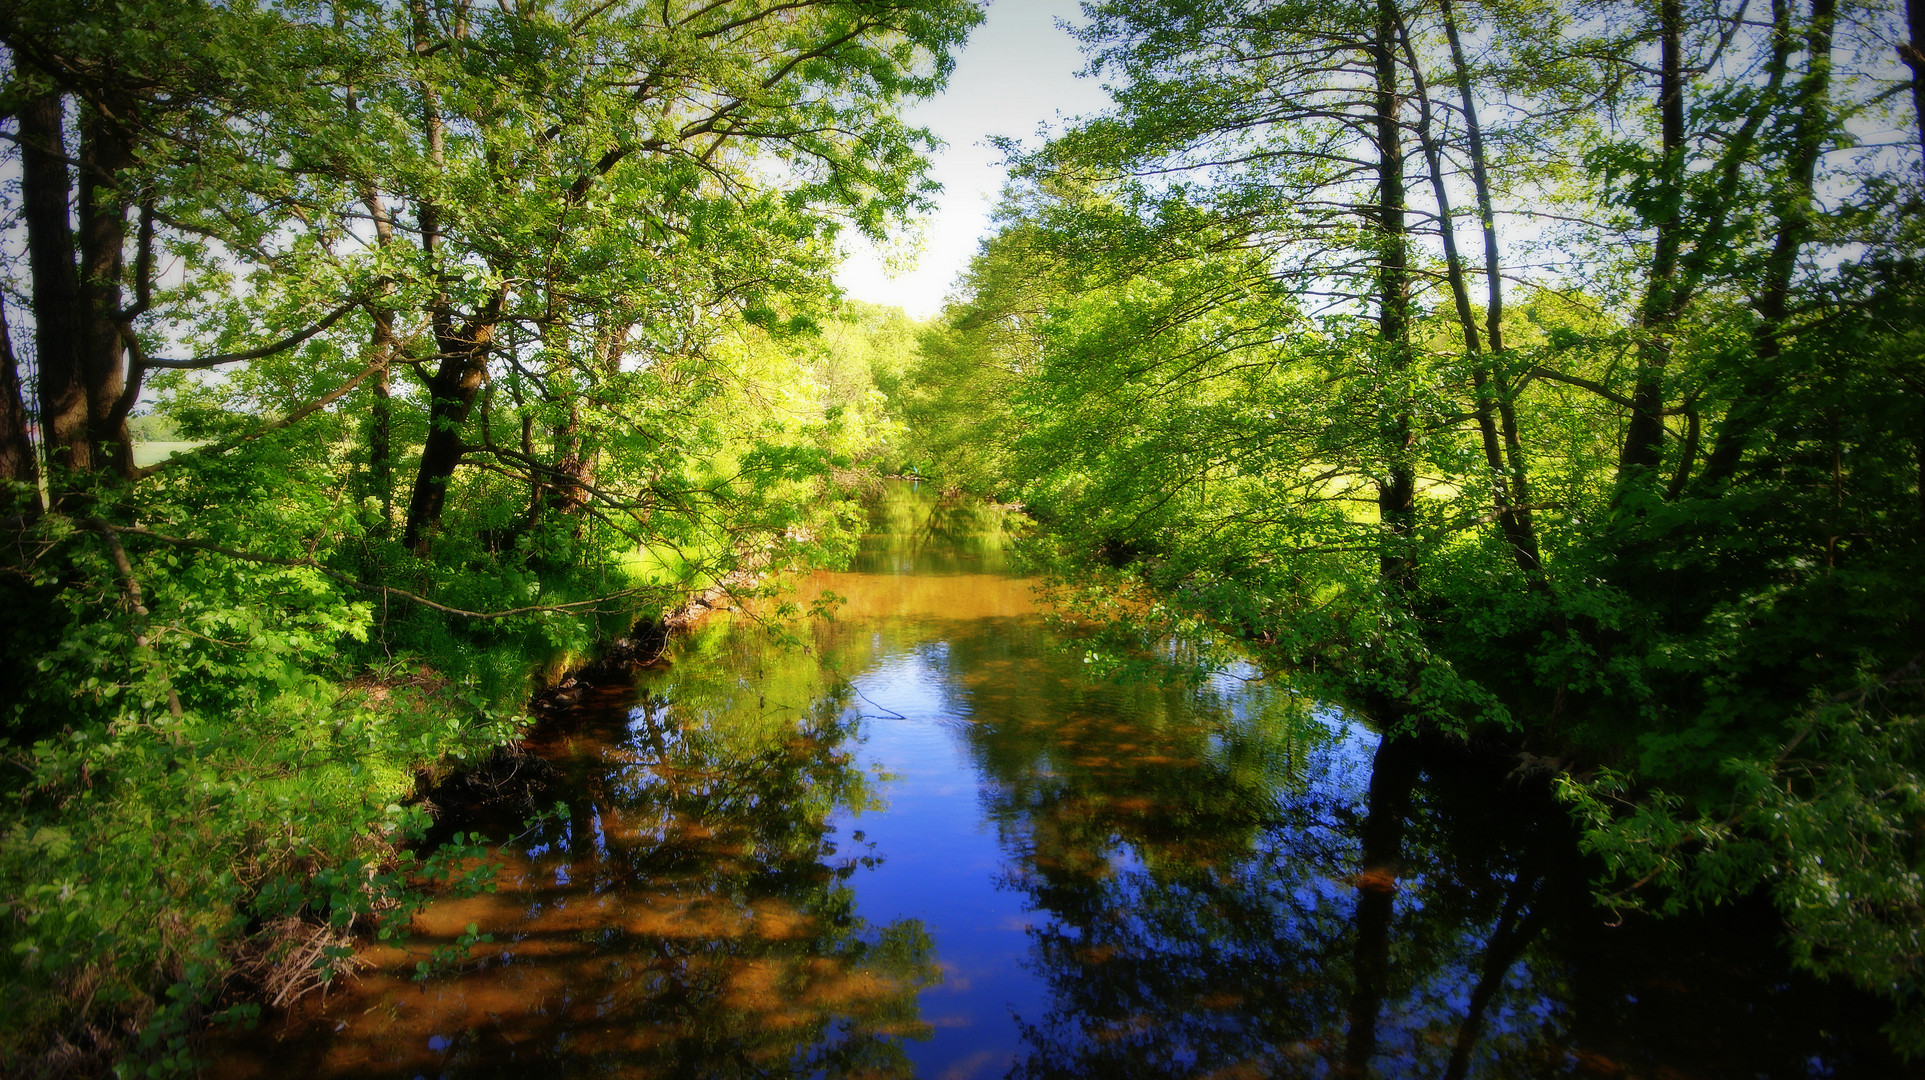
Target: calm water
(921,842)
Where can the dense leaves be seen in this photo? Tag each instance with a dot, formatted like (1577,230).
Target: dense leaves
(487,330)
(1636,487)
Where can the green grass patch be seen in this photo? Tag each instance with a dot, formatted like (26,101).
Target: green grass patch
(149,453)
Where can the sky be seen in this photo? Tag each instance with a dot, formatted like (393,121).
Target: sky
(1017,72)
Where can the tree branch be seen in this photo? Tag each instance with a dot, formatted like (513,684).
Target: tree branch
(204,362)
(287,421)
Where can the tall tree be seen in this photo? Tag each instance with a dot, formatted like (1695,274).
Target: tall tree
(668,112)
(1714,372)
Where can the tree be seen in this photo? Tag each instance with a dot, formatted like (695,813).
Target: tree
(1662,514)
(562,258)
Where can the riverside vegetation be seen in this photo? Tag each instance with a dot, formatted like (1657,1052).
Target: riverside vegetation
(1549,374)
(1543,375)
(499,328)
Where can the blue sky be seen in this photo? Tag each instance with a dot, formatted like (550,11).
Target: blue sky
(1017,72)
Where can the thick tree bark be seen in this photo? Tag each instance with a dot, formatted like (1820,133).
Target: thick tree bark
(457,380)
(1397,491)
(46,201)
(1643,449)
(103,243)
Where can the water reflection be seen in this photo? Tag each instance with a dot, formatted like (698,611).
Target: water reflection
(690,911)
(929,844)
(1234,884)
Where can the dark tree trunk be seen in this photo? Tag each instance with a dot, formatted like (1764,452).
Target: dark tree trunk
(1522,528)
(457,380)
(1394,769)
(1490,395)
(1643,449)
(46,199)
(17,464)
(1393,775)
(1913,53)
(463,355)
(1397,491)
(1773,301)
(103,243)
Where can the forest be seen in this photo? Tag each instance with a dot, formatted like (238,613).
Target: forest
(1546,376)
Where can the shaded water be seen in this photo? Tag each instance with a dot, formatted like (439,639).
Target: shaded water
(927,845)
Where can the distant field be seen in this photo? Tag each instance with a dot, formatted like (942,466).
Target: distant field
(146,453)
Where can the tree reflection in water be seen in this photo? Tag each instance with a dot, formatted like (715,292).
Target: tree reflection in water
(690,915)
(1261,891)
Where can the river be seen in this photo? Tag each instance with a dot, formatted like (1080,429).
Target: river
(917,839)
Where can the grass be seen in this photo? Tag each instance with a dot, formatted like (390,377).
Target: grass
(147,453)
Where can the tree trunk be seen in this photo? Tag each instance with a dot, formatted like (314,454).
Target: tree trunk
(427,209)
(1913,53)
(458,378)
(1397,490)
(383,345)
(103,242)
(1524,526)
(1490,396)
(1773,301)
(1643,449)
(17,464)
(381,421)
(565,489)
(46,197)
(463,362)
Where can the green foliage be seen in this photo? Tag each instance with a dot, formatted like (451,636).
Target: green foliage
(201,761)
(1214,366)
(616,223)
(1829,826)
